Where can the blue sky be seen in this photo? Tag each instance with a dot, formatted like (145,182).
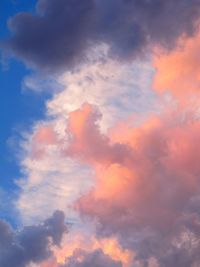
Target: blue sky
(18,108)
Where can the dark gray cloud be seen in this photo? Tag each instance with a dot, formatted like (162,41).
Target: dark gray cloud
(5,234)
(59,34)
(96,258)
(31,244)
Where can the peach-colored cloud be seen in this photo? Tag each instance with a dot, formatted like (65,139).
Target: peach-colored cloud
(109,246)
(147,188)
(178,71)
(77,242)
(156,143)
(49,263)
(45,135)
(86,140)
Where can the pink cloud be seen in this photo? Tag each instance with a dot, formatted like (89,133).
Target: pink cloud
(44,137)
(145,177)
(178,70)
(87,142)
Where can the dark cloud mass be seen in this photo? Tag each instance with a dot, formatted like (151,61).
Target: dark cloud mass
(61,32)
(31,244)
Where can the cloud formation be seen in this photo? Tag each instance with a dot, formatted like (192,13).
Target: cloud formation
(97,258)
(147,196)
(146,174)
(60,33)
(48,176)
(178,71)
(145,191)
(32,243)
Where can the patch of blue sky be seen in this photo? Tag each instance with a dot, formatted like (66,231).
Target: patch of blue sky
(18,110)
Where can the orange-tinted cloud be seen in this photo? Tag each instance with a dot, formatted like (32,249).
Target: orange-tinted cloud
(86,140)
(77,247)
(178,71)
(145,197)
(49,263)
(90,244)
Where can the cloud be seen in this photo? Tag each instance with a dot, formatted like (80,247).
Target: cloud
(59,34)
(146,196)
(118,90)
(86,140)
(178,71)
(96,258)
(145,172)
(136,180)
(50,178)
(81,247)
(32,243)
(52,181)
(83,238)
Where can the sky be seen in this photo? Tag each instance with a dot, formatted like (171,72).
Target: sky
(99,139)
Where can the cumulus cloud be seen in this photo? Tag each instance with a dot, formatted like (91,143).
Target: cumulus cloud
(47,175)
(32,243)
(137,180)
(87,142)
(81,248)
(145,196)
(178,71)
(148,197)
(97,258)
(59,33)
(146,174)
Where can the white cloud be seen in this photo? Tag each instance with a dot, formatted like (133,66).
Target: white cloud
(50,183)
(118,90)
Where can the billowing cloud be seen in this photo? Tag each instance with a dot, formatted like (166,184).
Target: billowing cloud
(147,196)
(47,175)
(60,32)
(130,178)
(178,71)
(96,258)
(145,173)
(32,243)
(48,244)
(84,239)
(87,142)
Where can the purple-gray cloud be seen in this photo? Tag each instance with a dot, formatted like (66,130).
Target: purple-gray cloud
(32,243)
(60,33)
